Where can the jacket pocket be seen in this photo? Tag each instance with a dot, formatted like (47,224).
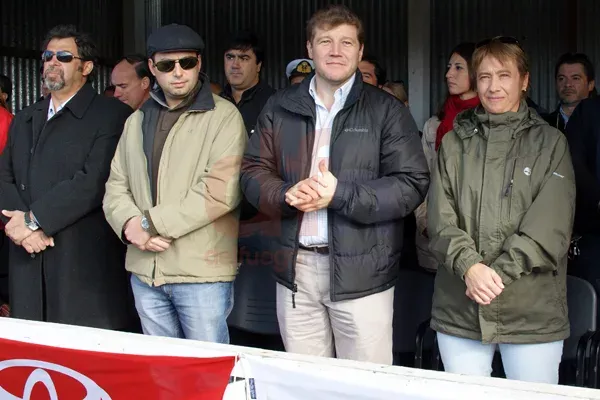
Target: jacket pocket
(520,194)
(509,183)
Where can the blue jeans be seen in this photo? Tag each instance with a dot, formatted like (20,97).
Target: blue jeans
(523,362)
(196,311)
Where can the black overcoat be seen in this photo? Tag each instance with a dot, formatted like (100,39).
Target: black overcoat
(58,169)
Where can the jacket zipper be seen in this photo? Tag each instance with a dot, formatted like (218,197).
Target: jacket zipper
(177,125)
(509,188)
(329,214)
(310,145)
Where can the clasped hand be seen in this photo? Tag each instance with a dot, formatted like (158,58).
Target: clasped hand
(483,284)
(314,193)
(142,239)
(21,235)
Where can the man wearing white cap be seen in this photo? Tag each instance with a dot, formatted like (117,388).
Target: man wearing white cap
(299,69)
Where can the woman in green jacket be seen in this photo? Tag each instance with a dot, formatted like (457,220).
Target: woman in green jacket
(501,207)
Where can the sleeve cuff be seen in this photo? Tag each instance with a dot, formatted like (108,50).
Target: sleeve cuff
(462,266)
(507,280)
(152,230)
(123,237)
(339,197)
(285,207)
(34,218)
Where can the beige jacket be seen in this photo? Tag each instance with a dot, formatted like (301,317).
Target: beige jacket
(197,192)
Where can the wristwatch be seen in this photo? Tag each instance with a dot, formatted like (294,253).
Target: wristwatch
(145,224)
(31,224)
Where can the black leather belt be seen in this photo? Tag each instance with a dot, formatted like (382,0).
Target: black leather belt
(316,249)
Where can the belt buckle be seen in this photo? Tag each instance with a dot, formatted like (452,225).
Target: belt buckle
(321,250)
(317,249)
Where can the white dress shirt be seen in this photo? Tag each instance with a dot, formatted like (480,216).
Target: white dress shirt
(313,231)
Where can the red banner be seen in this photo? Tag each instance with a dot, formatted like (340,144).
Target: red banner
(35,372)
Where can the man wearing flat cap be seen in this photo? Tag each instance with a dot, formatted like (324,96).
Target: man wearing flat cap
(172,194)
(299,69)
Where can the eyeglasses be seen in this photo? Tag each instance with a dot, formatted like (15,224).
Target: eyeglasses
(169,65)
(62,56)
(501,39)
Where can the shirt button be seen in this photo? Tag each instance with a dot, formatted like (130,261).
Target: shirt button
(22,186)
(32,255)
(31,151)
(483,253)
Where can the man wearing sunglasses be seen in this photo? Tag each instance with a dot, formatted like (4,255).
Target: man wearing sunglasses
(65,264)
(173,191)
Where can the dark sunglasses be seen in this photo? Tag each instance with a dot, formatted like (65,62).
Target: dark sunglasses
(61,56)
(501,39)
(169,65)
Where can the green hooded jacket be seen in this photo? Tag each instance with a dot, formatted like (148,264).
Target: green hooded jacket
(502,194)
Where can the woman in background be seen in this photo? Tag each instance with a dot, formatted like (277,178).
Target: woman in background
(461,96)
(397,90)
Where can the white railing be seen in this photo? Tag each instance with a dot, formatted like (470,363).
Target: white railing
(285,376)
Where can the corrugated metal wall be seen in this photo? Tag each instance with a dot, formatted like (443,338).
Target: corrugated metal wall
(588,31)
(546,29)
(23,24)
(280,24)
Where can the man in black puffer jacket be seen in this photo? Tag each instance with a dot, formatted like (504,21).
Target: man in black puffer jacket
(336,165)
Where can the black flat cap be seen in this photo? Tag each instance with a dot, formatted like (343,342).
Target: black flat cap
(174,37)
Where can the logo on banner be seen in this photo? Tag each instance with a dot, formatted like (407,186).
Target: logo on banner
(40,375)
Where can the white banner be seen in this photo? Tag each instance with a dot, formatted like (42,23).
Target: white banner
(277,379)
(269,375)
(288,380)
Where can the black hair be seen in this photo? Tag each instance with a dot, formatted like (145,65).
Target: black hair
(380,72)
(6,86)
(576,58)
(465,50)
(246,40)
(85,45)
(140,63)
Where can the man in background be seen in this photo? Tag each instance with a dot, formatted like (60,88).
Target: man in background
(575,81)
(132,80)
(243,62)
(299,69)
(372,71)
